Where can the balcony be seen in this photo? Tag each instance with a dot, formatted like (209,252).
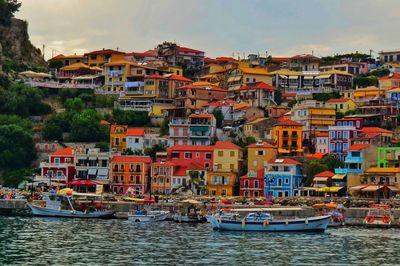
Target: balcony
(55,165)
(347,171)
(112,83)
(114,73)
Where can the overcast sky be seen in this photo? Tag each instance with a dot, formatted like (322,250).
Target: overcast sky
(218,27)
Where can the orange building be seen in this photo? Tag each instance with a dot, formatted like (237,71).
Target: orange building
(161,173)
(101,57)
(118,137)
(288,137)
(130,174)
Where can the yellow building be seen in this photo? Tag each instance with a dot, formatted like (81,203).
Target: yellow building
(118,137)
(342,105)
(288,138)
(101,57)
(258,154)
(176,70)
(243,75)
(227,164)
(364,95)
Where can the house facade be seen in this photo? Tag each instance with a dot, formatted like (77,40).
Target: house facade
(135,139)
(283,178)
(60,167)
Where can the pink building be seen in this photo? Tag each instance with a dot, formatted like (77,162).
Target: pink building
(61,167)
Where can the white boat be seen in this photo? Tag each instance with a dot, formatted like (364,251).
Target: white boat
(264,222)
(57,205)
(188,218)
(148,216)
(379,215)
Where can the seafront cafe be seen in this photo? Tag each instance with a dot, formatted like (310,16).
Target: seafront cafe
(374,191)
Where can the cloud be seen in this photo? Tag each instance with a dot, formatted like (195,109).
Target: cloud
(218,27)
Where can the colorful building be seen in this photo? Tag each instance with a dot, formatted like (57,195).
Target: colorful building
(288,138)
(162,177)
(340,139)
(389,82)
(257,94)
(69,59)
(100,57)
(202,128)
(118,138)
(283,178)
(322,142)
(135,139)
(252,184)
(60,167)
(242,75)
(342,105)
(323,179)
(259,154)
(130,174)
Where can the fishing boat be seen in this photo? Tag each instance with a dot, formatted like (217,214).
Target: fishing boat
(188,218)
(379,215)
(190,212)
(147,216)
(332,209)
(63,205)
(265,222)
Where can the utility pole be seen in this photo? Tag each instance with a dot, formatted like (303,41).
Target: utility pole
(43,46)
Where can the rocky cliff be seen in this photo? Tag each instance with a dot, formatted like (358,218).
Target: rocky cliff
(15,47)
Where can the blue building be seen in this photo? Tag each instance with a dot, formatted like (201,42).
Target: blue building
(283,178)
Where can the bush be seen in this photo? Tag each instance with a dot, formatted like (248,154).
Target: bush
(104,101)
(7,10)
(103,146)
(131,118)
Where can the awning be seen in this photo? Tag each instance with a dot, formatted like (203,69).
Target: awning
(322,189)
(82,182)
(335,189)
(393,188)
(328,189)
(293,77)
(308,77)
(92,171)
(324,76)
(371,188)
(235,78)
(321,179)
(283,77)
(339,176)
(199,128)
(357,188)
(102,172)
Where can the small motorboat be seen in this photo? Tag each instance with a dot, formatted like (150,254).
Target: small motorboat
(147,216)
(63,205)
(264,222)
(379,215)
(332,209)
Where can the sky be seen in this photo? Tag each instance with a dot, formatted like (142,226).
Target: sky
(218,27)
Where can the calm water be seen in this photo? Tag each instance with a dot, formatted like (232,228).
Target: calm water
(44,241)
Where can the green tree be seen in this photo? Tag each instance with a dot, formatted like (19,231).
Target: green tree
(311,168)
(332,162)
(75,104)
(219,117)
(17,147)
(164,128)
(86,127)
(339,115)
(291,103)
(52,130)
(12,178)
(278,97)
(151,151)
(104,101)
(7,10)
(103,146)
(131,118)
(56,64)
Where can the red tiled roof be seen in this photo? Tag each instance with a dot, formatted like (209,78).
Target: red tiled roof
(261,145)
(225,59)
(283,161)
(105,51)
(393,76)
(289,94)
(202,88)
(155,76)
(357,147)
(191,148)
(189,50)
(135,132)
(284,118)
(288,123)
(318,155)
(341,100)
(201,116)
(180,78)
(64,152)
(280,59)
(303,56)
(322,134)
(226,145)
(104,122)
(258,85)
(375,130)
(60,56)
(131,159)
(325,174)
(145,54)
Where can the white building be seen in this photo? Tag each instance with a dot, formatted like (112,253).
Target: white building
(135,139)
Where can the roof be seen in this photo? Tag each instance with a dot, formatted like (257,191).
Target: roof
(75,66)
(341,100)
(288,123)
(258,85)
(167,163)
(383,170)
(300,56)
(335,71)
(261,145)
(131,159)
(357,147)
(286,72)
(189,50)
(123,62)
(280,59)
(253,71)
(104,122)
(259,173)
(375,130)
(135,132)
(193,87)
(191,148)
(325,174)
(283,161)
(155,76)
(317,155)
(145,54)
(223,59)
(322,134)
(105,51)
(113,128)
(226,145)
(64,152)
(180,78)
(391,76)
(240,106)
(289,94)
(61,56)
(257,120)
(201,116)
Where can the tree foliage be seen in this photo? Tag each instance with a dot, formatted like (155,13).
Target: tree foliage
(164,128)
(74,104)
(56,64)
(7,10)
(131,118)
(326,96)
(313,167)
(151,151)
(278,97)
(86,127)
(219,117)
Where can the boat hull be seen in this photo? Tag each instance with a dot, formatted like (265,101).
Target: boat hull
(156,217)
(313,224)
(42,211)
(187,219)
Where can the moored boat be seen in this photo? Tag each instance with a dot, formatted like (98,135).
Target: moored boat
(332,209)
(264,222)
(62,205)
(147,216)
(188,218)
(379,215)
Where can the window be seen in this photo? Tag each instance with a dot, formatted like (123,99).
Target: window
(255,183)
(167,180)
(246,183)
(279,181)
(208,156)
(175,155)
(345,123)
(332,134)
(136,140)
(232,153)
(254,163)
(137,179)
(219,166)
(197,155)
(59,173)
(167,173)
(56,161)
(286,193)
(161,170)
(155,180)
(232,166)
(345,134)
(188,155)
(206,165)
(260,153)
(131,178)
(223,193)
(286,181)
(220,153)
(174,181)
(247,194)
(286,169)
(332,146)
(256,194)
(339,123)
(345,145)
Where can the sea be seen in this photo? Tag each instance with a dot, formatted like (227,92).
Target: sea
(57,241)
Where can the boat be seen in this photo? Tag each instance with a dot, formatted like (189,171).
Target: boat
(63,205)
(188,218)
(332,209)
(264,222)
(379,215)
(147,216)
